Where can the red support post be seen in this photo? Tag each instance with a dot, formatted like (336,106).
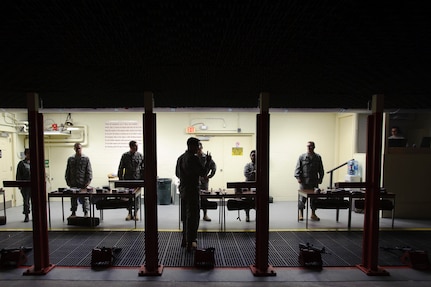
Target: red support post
(370,240)
(38,189)
(261,266)
(151,267)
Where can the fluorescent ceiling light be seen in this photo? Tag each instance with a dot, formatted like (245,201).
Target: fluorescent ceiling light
(48,133)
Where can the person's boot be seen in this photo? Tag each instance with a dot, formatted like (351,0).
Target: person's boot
(314,217)
(301,214)
(206,218)
(26,218)
(192,246)
(129,217)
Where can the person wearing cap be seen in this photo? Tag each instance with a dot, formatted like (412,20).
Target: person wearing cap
(309,174)
(188,169)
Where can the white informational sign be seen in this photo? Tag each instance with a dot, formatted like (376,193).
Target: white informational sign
(118,134)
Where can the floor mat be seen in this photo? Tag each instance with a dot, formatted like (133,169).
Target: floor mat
(232,249)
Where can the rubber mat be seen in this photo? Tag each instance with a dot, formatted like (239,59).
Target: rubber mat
(232,249)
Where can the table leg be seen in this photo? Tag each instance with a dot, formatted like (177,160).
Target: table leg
(349,218)
(90,199)
(4,203)
(220,212)
(224,214)
(134,212)
(297,213)
(393,212)
(49,213)
(179,213)
(135,206)
(62,207)
(308,201)
(140,207)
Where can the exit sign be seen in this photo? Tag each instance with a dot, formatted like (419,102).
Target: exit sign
(190,130)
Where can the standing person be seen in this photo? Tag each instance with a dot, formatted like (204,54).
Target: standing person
(250,175)
(23,173)
(204,180)
(309,174)
(131,167)
(188,169)
(79,175)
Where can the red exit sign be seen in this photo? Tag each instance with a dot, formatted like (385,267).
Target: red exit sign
(190,130)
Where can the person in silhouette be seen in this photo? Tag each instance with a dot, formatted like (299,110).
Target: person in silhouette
(188,169)
(23,173)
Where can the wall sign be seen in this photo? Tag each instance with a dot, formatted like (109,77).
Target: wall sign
(237,151)
(118,134)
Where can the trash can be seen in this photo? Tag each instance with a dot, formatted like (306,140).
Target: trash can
(164,191)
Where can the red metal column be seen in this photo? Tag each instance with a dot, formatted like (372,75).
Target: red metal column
(261,266)
(38,189)
(151,267)
(370,240)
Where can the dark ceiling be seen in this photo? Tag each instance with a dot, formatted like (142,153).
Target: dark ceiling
(305,54)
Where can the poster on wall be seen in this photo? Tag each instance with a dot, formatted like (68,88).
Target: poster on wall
(118,134)
(237,151)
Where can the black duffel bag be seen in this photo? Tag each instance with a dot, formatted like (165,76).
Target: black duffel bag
(2,220)
(207,204)
(385,204)
(83,221)
(239,204)
(112,203)
(331,203)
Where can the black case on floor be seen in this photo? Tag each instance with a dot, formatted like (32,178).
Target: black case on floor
(204,258)
(83,221)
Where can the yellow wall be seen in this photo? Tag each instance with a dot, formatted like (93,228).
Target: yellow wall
(289,132)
